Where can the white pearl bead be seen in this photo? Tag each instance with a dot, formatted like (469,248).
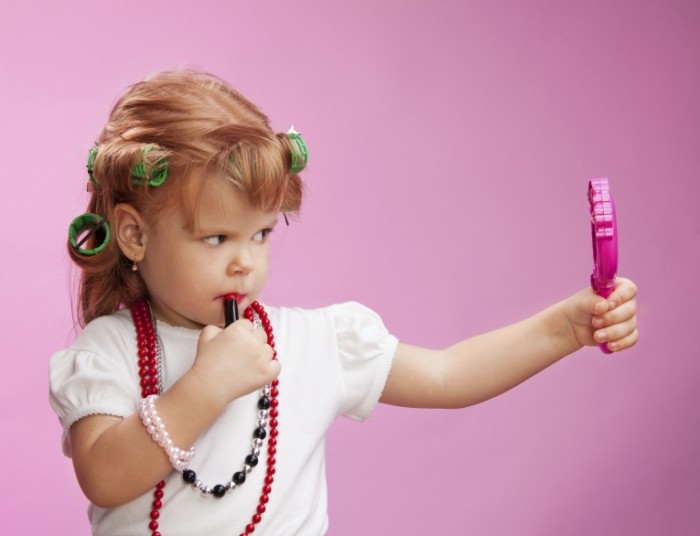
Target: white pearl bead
(156,429)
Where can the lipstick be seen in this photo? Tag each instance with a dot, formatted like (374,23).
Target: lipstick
(230,310)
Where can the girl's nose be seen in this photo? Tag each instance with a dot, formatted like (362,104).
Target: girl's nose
(241,263)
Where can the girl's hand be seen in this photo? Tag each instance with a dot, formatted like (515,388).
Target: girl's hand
(230,363)
(595,320)
(234,361)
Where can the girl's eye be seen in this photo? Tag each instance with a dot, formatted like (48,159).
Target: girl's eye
(215,240)
(260,236)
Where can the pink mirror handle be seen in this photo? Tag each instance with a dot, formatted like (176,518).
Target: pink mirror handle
(604,237)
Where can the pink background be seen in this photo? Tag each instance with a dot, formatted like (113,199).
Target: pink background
(451,143)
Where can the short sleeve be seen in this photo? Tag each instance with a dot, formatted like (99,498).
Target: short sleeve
(85,382)
(366,351)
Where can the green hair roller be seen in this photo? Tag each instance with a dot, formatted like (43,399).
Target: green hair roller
(85,226)
(156,177)
(298,163)
(90,163)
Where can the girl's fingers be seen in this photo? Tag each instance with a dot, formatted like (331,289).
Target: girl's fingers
(616,332)
(625,290)
(625,342)
(242,324)
(209,332)
(620,314)
(248,327)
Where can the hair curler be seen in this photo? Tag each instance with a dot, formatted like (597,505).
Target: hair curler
(604,238)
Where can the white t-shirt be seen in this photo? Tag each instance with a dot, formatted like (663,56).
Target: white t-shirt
(335,361)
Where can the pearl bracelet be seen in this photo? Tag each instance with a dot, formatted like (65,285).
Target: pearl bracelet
(156,429)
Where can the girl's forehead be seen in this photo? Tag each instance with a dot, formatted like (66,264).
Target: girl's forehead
(221,202)
(220,195)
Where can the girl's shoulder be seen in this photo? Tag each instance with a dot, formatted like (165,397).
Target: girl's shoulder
(116,328)
(339,315)
(350,327)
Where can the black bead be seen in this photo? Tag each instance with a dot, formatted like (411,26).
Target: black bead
(259,433)
(264,402)
(189,476)
(219,490)
(239,477)
(251,460)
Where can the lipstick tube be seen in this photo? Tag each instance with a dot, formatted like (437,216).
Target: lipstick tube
(230,311)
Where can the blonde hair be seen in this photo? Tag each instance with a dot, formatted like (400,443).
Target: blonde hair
(192,121)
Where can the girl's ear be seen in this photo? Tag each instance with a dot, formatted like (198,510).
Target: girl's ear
(130,230)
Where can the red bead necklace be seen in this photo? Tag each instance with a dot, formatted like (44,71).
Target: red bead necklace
(151,384)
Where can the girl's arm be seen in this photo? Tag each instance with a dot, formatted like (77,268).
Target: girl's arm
(116,460)
(487,365)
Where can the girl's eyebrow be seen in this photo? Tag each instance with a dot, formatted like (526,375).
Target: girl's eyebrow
(222,228)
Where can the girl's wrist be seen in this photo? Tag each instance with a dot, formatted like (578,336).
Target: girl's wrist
(207,391)
(559,329)
(566,330)
(157,430)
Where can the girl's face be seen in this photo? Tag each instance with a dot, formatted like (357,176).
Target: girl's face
(188,269)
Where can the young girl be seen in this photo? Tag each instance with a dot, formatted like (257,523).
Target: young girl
(181,420)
